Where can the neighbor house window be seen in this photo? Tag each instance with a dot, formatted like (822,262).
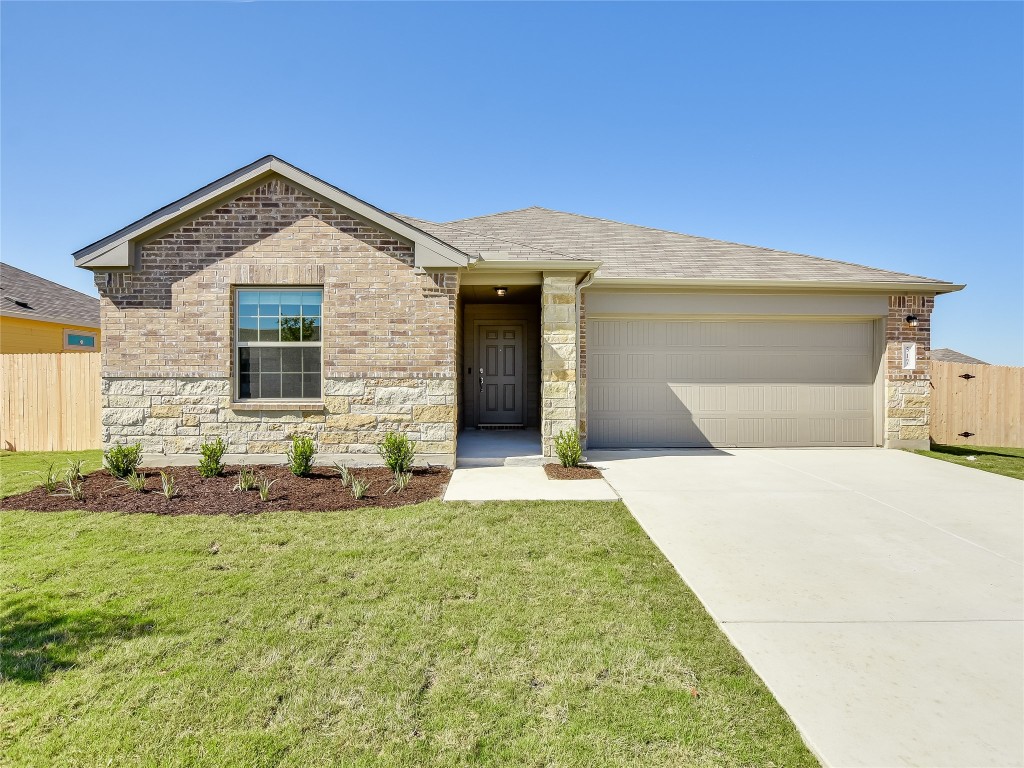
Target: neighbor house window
(80,340)
(277,340)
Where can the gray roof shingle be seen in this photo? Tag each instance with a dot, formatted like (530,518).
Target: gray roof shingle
(26,295)
(946,355)
(629,251)
(480,245)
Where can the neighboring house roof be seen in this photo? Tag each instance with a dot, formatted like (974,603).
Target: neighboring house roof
(945,355)
(116,250)
(25,295)
(631,253)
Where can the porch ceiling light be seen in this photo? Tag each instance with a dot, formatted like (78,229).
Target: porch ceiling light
(912,320)
(501,290)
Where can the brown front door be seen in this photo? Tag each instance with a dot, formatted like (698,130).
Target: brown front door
(500,396)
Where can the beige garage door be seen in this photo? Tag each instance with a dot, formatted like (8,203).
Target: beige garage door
(685,383)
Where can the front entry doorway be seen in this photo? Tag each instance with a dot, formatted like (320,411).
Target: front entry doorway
(500,374)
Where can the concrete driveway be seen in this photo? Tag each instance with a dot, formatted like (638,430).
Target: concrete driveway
(877,593)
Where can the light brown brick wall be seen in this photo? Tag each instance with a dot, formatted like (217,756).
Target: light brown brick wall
(171,315)
(389,333)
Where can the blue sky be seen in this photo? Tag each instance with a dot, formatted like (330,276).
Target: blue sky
(887,134)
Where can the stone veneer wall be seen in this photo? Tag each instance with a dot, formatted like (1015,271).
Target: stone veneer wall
(389,334)
(558,357)
(171,417)
(581,374)
(908,393)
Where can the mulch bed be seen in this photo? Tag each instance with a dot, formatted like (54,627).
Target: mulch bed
(321,491)
(582,472)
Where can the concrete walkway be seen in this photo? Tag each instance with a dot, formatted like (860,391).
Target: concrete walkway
(507,465)
(877,593)
(522,484)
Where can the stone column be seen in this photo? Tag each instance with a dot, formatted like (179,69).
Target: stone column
(557,357)
(908,391)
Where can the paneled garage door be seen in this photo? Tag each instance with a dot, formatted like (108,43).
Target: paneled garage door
(685,383)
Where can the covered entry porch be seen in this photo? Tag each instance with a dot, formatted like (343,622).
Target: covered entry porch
(518,359)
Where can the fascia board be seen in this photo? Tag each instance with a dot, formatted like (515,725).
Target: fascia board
(535,265)
(800,285)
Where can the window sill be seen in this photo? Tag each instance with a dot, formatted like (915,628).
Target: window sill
(277,405)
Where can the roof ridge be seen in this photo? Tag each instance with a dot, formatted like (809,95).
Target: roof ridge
(5,265)
(449,225)
(713,240)
(501,213)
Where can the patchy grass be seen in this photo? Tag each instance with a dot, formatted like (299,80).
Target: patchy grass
(524,633)
(1002,461)
(17,468)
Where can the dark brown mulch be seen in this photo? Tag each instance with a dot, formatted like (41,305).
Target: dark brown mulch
(320,492)
(582,472)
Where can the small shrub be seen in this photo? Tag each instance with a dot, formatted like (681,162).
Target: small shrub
(345,474)
(359,488)
(167,487)
(247,479)
(51,478)
(401,481)
(135,481)
(300,455)
(263,486)
(212,462)
(75,468)
(122,460)
(397,452)
(72,487)
(568,448)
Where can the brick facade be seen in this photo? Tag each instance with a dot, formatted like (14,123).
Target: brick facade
(908,392)
(389,331)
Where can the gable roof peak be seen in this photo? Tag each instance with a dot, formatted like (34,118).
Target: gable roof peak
(117,250)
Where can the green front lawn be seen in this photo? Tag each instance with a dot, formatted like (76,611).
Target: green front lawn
(438,634)
(1002,461)
(17,469)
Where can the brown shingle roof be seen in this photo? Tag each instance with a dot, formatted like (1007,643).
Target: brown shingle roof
(23,294)
(628,251)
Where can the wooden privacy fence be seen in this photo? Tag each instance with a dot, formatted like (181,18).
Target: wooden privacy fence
(987,404)
(50,402)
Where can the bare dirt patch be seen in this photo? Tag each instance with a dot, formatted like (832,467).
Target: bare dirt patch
(582,472)
(321,491)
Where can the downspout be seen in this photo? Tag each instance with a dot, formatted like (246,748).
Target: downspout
(586,281)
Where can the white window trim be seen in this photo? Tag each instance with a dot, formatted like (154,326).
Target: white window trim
(237,344)
(95,337)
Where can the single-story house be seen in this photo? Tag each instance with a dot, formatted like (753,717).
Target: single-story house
(270,302)
(38,315)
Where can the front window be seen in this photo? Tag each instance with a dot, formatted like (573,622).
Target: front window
(277,339)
